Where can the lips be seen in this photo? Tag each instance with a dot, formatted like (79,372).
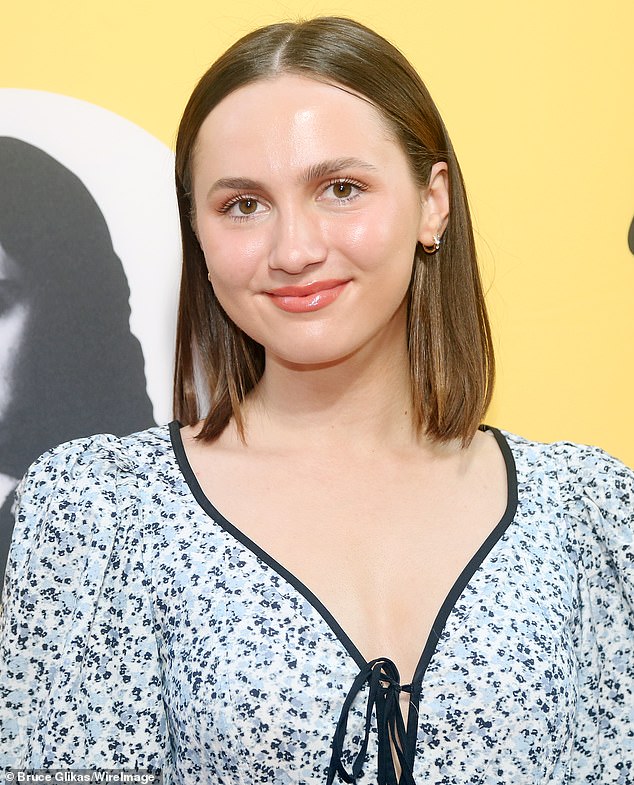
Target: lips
(310,297)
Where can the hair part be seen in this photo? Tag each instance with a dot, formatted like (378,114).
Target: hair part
(449,337)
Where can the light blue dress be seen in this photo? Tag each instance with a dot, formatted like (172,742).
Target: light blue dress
(143,630)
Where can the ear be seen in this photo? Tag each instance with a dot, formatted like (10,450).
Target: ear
(435,201)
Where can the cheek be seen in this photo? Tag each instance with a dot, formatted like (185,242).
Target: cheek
(386,232)
(232,261)
(357,237)
(380,246)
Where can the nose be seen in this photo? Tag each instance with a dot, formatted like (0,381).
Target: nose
(298,240)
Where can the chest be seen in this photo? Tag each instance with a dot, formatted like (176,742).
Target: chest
(251,657)
(380,546)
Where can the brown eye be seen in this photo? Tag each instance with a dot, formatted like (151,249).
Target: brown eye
(342,190)
(247,206)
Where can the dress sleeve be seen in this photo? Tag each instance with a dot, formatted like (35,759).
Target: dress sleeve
(600,492)
(80,682)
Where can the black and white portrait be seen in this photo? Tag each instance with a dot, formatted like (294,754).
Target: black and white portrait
(70,365)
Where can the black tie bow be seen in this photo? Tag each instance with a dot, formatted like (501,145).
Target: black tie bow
(384,687)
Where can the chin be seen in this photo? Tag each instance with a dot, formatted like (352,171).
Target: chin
(311,358)
(306,366)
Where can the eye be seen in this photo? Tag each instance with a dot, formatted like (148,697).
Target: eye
(241,207)
(342,191)
(247,206)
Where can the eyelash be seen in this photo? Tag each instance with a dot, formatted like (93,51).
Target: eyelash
(237,198)
(346,181)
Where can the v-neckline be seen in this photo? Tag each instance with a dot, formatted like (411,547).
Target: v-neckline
(450,600)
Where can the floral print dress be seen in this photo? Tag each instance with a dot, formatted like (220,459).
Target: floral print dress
(143,630)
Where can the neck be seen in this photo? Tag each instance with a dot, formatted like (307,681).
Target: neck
(363,400)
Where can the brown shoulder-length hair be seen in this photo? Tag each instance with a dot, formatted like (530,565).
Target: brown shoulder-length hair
(449,338)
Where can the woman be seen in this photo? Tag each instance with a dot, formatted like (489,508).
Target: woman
(335,575)
(69,365)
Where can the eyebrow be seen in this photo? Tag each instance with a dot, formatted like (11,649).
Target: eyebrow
(324,168)
(313,172)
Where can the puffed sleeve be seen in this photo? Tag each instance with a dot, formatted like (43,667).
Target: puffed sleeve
(600,491)
(80,682)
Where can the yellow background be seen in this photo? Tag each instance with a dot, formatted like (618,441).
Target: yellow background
(538,100)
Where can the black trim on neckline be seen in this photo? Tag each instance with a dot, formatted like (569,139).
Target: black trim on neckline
(476,560)
(208,507)
(446,608)
(460,584)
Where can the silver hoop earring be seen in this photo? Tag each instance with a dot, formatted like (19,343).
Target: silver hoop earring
(430,249)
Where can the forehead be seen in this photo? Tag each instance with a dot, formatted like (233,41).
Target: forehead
(291,121)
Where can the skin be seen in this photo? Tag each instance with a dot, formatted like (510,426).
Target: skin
(374,518)
(302,231)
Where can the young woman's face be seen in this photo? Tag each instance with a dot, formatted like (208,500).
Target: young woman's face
(308,216)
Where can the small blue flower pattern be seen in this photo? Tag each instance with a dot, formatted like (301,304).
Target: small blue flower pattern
(142,630)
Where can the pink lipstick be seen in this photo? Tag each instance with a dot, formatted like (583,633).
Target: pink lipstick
(311,297)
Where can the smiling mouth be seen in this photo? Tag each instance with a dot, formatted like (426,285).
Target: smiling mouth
(303,299)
